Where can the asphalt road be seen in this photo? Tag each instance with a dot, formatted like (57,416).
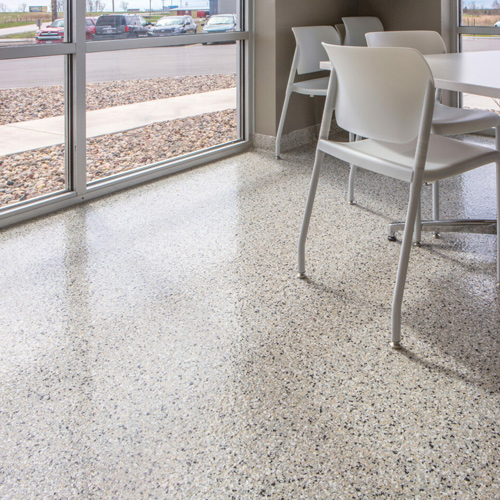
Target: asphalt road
(124,65)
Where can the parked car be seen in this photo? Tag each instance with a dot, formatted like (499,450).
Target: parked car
(220,23)
(173,25)
(54,32)
(497,24)
(117,26)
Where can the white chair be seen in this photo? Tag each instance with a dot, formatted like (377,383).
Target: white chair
(446,120)
(308,54)
(387,95)
(341,31)
(357,27)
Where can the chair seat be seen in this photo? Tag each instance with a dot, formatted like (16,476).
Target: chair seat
(448,121)
(446,157)
(316,86)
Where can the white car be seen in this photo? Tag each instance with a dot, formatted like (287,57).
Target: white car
(497,24)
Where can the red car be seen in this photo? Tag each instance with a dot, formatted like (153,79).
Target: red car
(54,32)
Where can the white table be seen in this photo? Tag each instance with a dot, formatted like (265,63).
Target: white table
(474,73)
(471,72)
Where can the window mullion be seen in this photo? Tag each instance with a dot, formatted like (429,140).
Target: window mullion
(77,85)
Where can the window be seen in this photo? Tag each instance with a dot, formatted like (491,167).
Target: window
(132,104)
(478,28)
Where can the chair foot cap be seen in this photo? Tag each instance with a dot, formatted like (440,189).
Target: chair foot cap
(352,203)
(396,346)
(436,235)
(391,237)
(417,244)
(301,276)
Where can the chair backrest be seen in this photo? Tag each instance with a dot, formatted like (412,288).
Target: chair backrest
(381,92)
(341,31)
(310,50)
(357,27)
(426,42)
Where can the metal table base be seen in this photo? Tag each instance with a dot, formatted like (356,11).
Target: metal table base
(478,226)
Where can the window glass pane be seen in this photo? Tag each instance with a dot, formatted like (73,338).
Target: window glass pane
(32,128)
(25,24)
(471,43)
(486,13)
(210,17)
(147,106)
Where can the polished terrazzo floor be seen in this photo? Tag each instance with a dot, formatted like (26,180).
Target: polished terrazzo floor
(157,344)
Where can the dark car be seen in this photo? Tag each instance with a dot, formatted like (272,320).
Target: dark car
(118,26)
(54,32)
(173,25)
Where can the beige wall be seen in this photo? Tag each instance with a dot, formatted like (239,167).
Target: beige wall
(274,46)
(265,67)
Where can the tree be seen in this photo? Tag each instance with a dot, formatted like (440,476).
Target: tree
(124,6)
(99,6)
(23,7)
(53,4)
(3,7)
(60,6)
(90,5)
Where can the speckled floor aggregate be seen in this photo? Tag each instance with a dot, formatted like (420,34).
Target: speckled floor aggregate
(156,343)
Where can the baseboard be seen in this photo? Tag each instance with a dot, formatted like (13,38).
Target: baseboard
(296,139)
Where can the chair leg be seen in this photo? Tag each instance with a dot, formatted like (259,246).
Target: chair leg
(435,204)
(404,257)
(352,174)
(282,121)
(308,211)
(417,235)
(352,177)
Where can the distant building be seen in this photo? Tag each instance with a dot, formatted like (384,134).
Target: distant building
(38,8)
(215,7)
(194,12)
(222,7)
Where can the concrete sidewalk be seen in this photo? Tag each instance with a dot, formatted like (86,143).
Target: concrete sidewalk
(34,134)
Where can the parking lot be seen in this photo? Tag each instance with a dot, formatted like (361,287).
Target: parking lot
(134,64)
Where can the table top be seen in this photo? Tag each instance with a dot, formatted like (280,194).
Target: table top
(471,72)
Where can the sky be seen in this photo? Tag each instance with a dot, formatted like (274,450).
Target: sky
(13,5)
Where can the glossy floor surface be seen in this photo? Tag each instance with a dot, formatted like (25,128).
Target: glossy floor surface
(157,344)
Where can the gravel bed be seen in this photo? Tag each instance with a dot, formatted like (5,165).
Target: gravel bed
(34,173)
(17,105)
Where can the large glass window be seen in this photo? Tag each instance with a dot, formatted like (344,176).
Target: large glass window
(148,106)
(479,29)
(157,88)
(32,128)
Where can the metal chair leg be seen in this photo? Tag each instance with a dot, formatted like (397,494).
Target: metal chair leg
(308,211)
(352,174)
(435,204)
(282,121)
(417,235)
(404,257)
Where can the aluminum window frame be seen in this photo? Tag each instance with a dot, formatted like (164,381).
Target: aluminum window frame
(75,50)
